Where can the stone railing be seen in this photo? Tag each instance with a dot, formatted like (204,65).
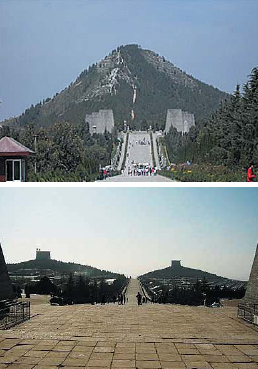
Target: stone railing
(248,313)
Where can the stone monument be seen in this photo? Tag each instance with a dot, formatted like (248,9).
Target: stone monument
(251,295)
(179,119)
(6,290)
(101,121)
(176,264)
(42,255)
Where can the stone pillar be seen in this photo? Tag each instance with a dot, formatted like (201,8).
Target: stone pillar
(251,295)
(6,290)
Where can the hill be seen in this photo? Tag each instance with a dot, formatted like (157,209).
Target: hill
(176,270)
(135,83)
(59,267)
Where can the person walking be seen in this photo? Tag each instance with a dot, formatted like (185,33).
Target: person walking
(250,173)
(139,298)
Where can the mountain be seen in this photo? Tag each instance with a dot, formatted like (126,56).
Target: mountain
(176,270)
(58,267)
(134,83)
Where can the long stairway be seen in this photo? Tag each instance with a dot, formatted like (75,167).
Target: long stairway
(133,288)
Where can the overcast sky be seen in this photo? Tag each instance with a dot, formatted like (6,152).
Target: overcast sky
(133,230)
(45,44)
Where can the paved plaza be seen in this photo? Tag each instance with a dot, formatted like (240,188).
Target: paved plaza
(138,179)
(139,154)
(130,336)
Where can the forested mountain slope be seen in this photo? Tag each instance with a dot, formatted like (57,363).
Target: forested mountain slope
(128,79)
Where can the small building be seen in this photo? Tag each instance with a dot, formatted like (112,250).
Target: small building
(13,160)
(42,255)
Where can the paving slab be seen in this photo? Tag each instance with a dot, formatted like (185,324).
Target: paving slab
(130,336)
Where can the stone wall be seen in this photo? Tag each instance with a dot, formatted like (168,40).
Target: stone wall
(179,119)
(101,121)
(251,295)
(6,290)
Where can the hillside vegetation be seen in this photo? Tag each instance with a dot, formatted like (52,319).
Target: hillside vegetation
(60,267)
(171,272)
(229,138)
(65,152)
(111,84)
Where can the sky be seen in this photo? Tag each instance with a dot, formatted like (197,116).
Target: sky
(133,230)
(46,44)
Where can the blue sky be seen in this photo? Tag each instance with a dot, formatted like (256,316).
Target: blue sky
(45,44)
(134,230)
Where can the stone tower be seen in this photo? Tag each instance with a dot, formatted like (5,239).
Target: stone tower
(42,255)
(6,290)
(181,120)
(176,264)
(251,295)
(101,121)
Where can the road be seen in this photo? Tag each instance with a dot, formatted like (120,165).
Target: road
(133,288)
(140,179)
(139,154)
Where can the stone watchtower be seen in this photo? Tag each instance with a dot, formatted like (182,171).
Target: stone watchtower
(6,290)
(251,295)
(181,120)
(42,255)
(101,121)
(176,264)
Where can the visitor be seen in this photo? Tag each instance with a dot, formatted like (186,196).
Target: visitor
(139,298)
(250,173)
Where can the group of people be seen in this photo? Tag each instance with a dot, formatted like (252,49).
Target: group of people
(144,141)
(141,170)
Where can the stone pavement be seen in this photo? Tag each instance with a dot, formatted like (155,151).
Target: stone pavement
(132,290)
(139,153)
(126,178)
(129,336)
